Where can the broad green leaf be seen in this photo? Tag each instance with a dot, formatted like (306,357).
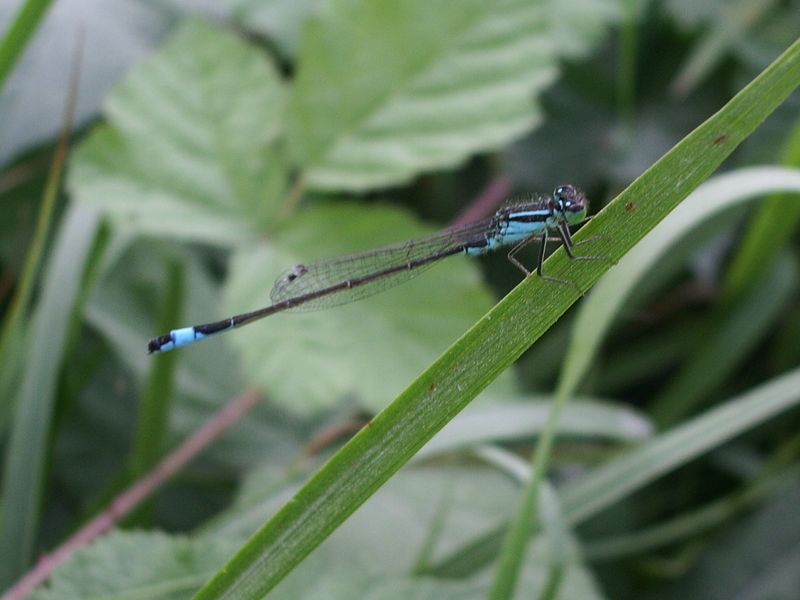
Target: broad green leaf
(333,577)
(189,150)
(474,499)
(385,91)
(367,351)
(371,457)
(158,567)
(369,558)
(136,565)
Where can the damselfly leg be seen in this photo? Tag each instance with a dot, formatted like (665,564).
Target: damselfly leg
(569,244)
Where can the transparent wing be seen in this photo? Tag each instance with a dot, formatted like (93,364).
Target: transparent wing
(529,201)
(372,271)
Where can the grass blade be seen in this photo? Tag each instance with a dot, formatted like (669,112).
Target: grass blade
(727,341)
(26,457)
(774,224)
(18,34)
(618,479)
(150,441)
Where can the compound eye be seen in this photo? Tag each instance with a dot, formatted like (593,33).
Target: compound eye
(564,193)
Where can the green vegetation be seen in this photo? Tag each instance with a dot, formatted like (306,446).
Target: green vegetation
(621,444)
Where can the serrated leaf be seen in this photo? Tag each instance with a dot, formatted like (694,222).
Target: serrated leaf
(136,565)
(367,350)
(387,90)
(189,150)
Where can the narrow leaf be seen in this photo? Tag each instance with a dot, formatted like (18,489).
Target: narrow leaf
(26,458)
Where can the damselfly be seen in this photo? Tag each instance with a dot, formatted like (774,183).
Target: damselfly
(341,280)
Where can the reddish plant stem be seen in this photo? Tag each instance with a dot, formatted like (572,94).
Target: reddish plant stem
(486,202)
(127,500)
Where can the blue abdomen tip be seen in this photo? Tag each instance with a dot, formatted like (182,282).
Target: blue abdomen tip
(185,335)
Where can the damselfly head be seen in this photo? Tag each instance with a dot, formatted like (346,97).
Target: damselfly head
(571,202)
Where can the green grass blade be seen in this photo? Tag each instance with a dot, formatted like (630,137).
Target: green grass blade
(515,543)
(11,330)
(618,479)
(18,34)
(728,339)
(150,441)
(491,346)
(26,457)
(42,345)
(555,531)
(626,68)
(712,48)
(773,225)
(511,421)
(691,523)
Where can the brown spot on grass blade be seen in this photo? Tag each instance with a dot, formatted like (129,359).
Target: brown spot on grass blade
(721,139)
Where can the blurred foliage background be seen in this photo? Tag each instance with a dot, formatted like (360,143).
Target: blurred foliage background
(217,144)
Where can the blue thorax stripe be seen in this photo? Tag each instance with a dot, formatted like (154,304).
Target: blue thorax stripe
(530,216)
